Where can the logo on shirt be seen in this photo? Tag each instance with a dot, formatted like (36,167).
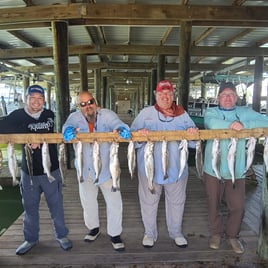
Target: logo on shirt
(42,125)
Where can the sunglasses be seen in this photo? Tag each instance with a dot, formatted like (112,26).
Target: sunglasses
(85,103)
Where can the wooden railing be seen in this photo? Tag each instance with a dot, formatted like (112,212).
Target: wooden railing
(135,136)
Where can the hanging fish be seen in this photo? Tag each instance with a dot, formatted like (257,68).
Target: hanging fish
(149,164)
(131,156)
(1,159)
(251,143)
(1,163)
(165,158)
(96,160)
(46,161)
(216,157)
(199,158)
(183,147)
(231,158)
(62,162)
(115,166)
(12,163)
(79,160)
(29,159)
(265,155)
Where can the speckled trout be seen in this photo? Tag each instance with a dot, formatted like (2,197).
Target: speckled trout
(251,143)
(62,162)
(1,163)
(29,159)
(199,158)
(46,161)
(231,157)
(265,155)
(12,163)
(183,147)
(216,158)
(115,166)
(149,164)
(79,160)
(165,158)
(96,160)
(131,157)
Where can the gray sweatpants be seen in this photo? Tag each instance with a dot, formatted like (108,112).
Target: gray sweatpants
(175,196)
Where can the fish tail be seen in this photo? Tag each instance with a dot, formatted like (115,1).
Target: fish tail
(51,178)
(152,190)
(15,182)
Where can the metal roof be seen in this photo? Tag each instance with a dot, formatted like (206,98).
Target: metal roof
(123,33)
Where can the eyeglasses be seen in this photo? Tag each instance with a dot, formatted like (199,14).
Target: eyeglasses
(85,103)
(164,119)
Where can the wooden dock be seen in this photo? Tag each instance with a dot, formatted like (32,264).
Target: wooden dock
(164,254)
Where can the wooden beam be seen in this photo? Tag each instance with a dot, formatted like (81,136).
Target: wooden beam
(129,14)
(24,53)
(135,136)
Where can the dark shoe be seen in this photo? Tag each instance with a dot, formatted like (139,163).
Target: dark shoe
(117,243)
(65,243)
(92,235)
(181,242)
(25,247)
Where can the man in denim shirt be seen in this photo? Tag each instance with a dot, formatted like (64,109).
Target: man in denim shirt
(91,118)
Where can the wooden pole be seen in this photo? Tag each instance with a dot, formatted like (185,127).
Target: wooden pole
(83,72)
(258,77)
(262,249)
(185,58)
(60,54)
(135,136)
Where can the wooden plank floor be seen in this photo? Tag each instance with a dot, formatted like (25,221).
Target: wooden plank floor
(164,254)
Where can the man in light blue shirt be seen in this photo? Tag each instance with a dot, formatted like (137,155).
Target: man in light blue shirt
(228,116)
(91,118)
(164,115)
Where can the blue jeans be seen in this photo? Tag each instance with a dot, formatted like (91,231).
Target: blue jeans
(31,195)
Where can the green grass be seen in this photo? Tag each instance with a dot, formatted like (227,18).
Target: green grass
(10,206)
(10,198)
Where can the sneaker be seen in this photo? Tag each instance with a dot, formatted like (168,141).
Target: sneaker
(236,245)
(117,243)
(25,247)
(181,242)
(148,242)
(65,243)
(92,235)
(215,241)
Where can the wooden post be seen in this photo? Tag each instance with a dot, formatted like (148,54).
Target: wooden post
(262,249)
(61,55)
(257,84)
(105,90)
(83,73)
(97,82)
(184,70)
(151,96)
(161,68)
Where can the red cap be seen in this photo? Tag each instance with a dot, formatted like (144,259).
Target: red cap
(164,84)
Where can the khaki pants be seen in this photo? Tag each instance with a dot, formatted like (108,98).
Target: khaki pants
(89,200)
(218,190)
